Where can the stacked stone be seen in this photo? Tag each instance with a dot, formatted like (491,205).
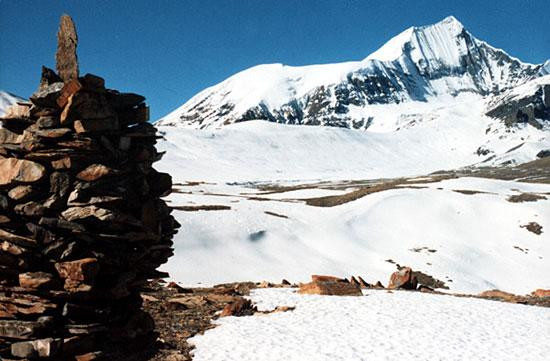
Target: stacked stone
(82,225)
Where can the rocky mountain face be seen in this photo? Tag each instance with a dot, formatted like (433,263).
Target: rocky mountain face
(420,64)
(528,103)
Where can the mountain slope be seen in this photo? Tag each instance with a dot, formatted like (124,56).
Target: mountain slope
(6,100)
(420,64)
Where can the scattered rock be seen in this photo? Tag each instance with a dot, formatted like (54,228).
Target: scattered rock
(240,307)
(533,227)
(331,288)
(541,293)
(403,279)
(543,153)
(500,295)
(525,197)
(320,278)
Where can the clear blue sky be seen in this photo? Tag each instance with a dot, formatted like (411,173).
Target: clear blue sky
(170,50)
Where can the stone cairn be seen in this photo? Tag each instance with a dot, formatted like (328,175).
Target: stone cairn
(82,225)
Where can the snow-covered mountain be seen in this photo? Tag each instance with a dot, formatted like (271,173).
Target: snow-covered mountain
(422,64)
(7,100)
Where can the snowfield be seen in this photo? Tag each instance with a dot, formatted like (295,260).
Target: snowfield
(379,326)
(477,241)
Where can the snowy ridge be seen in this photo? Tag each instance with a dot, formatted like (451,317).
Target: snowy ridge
(420,64)
(7,100)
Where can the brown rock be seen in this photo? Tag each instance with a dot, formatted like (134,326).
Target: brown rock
(19,329)
(378,285)
(48,77)
(363,283)
(86,105)
(14,238)
(318,278)
(95,125)
(78,273)
(14,170)
(354,281)
(330,288)
(69,89)
(189,301)
(20,193)
(46,348)
(46,97)
(79,213)
(35,280)
(67,40)
(30,209)
(510,297)
(52,133)
(93,82)
(541,293)
(94,172)
(240,307)
(403,279)
(9,137)
(63,163)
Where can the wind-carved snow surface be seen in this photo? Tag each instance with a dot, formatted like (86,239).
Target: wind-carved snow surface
(7,100)
(427,64)
(379,326)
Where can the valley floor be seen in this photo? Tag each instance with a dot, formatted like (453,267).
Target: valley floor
(470,233)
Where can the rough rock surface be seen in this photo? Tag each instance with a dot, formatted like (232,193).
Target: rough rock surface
(82,225)
(404,279)
(66,60)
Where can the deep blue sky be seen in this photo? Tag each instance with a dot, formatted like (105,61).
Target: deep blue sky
(170,50)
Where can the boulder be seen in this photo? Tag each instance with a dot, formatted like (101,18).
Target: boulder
(65,57)
(330,288)
(14,170)
(403,279)
(240,307)
(543,153)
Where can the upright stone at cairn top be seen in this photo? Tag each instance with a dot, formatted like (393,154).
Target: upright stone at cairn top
(66,60)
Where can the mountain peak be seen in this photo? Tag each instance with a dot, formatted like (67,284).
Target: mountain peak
(444,32)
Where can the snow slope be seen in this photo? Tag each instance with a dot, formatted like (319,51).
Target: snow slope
(6,100)
(478,239)
(420,64)
(379,326)
(432,136)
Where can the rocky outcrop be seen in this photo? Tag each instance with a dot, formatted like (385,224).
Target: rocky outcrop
(82,225)
(403,279)
(531,106)
(331,286)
